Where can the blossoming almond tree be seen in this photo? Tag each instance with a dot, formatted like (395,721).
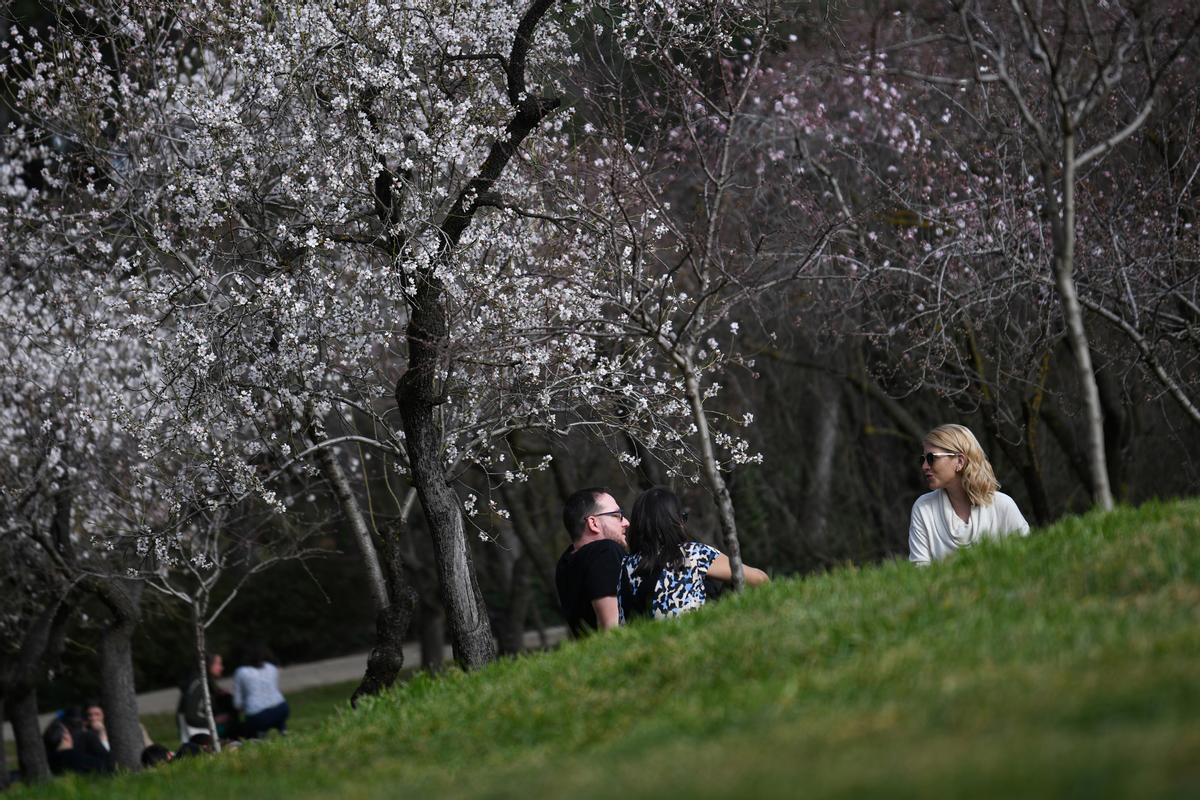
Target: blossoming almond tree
(330,210)
(72,492)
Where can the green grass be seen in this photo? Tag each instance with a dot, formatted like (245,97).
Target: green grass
(1063,665)
(310,708)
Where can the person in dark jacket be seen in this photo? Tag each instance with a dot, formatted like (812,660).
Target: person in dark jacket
(93,738)
(191,702)
(64,757)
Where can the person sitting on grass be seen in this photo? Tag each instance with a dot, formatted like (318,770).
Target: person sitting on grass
(256,693)
(191,701)
(663,575)
(65,757)
(156,754)
(93,739)
(585,577)
(963,505)
(199,745)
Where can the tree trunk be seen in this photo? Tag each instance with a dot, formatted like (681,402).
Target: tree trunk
(417,398)
(331,470)
(22,710)
(520,594)
(394,599)
(1064,437)
(387,656)
(419,390)
(1064,281)
(42,643)
(118,693)
(1118,431)
(712,474)
(391,622)
(1034,481)
(201,654)
(817,508)
(533,548)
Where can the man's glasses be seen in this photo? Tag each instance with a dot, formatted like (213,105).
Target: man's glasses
(929,458)
(617,513)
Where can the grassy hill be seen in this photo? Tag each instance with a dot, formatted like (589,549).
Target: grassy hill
(1063,665)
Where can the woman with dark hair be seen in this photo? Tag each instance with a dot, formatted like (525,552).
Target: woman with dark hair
(256,693)
(191,703)
(663,575)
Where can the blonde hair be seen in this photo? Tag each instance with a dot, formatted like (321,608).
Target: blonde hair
(977,476)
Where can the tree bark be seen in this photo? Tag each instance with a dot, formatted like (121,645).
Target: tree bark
(1023,458)
(118,692)
(387,656)
(817,508)
(331,470)
(1064,282)
(712,474)
(533,548)
(1118,431)
(1065,438)
(392,622)
(201,655)
(22,711)
(42,642)
(394,599)
(466,613)
(1032,474)
(418,392)
(520,593)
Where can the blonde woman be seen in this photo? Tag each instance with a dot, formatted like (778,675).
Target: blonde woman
(963,506)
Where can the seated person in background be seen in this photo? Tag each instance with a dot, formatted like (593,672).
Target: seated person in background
(156,754)
(664,573)
(963,506)
(191,703)
(198,745)
(256,693)
(93,739)
(586,575)
(63,755)
(72,717)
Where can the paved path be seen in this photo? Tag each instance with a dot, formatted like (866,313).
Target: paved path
(306,676)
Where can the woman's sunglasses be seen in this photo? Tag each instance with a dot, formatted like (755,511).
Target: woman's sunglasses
(929,458)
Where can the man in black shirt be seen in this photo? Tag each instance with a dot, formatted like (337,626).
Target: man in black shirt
(589,570)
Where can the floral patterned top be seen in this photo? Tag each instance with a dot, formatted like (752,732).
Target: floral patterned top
(675,591)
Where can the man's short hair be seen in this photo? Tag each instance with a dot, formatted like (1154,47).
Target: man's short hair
(579,507)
